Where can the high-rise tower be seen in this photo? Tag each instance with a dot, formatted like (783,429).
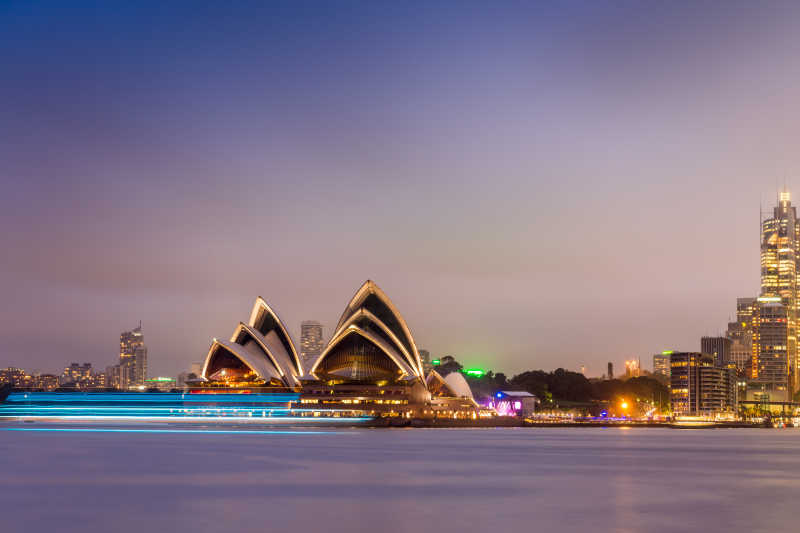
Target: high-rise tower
(741,334)
(311,342)
(132,358)
(775,357)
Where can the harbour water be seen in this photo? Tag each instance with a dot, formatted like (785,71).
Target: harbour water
(155,478)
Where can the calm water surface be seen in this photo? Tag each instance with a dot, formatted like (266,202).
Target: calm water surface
(417,480)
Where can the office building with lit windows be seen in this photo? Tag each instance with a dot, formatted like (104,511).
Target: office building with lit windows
(769,375)
(20,379)
(15,377)
(698,386)
(740,333)
(774,366)
(661,363)
(77,373)
(132,368)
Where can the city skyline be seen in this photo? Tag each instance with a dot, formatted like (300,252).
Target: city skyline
(359,265)
(526,158)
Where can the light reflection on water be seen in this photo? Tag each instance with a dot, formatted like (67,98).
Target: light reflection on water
(206,431)
(420,480)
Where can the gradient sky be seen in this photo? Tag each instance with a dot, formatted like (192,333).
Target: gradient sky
(534,184)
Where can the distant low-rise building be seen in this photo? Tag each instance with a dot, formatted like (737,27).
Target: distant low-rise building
(163,384)
(514,403)
(45,382)
(76,373)
(82,377)
(14,376)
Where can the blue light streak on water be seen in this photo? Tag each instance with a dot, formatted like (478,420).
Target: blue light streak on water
(307,419)
(150,397)
(198,431)
(169,407)
(136,412)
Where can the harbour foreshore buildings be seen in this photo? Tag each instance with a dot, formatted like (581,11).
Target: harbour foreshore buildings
(699,386)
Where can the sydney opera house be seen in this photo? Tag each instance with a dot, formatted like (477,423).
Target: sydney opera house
(371,365)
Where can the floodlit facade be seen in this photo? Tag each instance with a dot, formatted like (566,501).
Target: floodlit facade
(370,367)
(371,344)
(450,395)
(453,385)
(259,353)
(514,403)
(632,368)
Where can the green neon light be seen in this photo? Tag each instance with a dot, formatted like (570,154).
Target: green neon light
(159,380)
(477,372)
(667,352)
(436,362)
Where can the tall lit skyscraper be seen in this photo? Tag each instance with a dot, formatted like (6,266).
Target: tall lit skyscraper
(311,342)
(769,376)
(132,358)
(775,362)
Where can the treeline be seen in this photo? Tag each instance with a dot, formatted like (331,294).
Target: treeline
(565,386)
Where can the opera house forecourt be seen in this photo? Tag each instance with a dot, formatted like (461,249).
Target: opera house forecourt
(370,366)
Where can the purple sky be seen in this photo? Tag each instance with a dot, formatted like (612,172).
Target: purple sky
(535,185)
